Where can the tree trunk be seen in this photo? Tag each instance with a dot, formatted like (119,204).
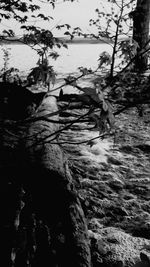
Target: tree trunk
(54,199)
(141,19)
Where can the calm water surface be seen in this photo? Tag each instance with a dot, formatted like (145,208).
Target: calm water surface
(77,55)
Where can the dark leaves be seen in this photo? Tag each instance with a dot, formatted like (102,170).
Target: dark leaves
(69,34)
(54,55)
(59,27)
(9,33)
(42,16)
(104,58)
(33,7)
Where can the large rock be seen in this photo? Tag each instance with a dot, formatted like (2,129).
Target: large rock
(54,199)
(113,247)
(43,222)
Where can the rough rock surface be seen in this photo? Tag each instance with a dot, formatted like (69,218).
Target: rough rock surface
(43,220)
(113,178)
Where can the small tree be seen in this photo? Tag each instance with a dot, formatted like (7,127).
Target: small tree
(40,39)
(114,26)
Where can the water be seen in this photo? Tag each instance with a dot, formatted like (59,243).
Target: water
(77,55)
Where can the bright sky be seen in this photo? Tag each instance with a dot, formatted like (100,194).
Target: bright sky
(77,14)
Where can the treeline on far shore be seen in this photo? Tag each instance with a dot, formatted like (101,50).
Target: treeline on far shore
(14,40)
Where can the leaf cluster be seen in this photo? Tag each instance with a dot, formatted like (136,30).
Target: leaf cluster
(114,26)
(27,13)
(43,73)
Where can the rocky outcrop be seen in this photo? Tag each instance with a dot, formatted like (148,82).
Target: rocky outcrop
(114,247)
(17,102)
(49,181)
(43,221)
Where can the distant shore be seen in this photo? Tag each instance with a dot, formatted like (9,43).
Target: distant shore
(79,40)
(14,40)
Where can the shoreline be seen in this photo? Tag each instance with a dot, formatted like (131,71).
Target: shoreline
(63,39)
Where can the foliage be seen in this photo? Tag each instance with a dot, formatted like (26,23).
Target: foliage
(128,48)
(104,58)
(16,10)
(6,55)
(9,74)
(115,26)
(42,40)
(22,12)
(100,109)
(42,73)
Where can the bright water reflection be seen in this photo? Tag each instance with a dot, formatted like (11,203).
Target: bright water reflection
(77,55)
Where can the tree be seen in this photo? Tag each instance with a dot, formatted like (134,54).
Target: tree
(42,40)
(26,13)
(114,27)
(141,20)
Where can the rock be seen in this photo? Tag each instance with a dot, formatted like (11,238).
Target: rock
(113,161)
(95,225)
(118,211)
(116,248)
(142,231)
(116,185)
(144,147)
(18,102)
(49,181)
(144,261)
(126,148)
(42,168)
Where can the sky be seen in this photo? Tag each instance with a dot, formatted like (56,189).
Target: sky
(76,14)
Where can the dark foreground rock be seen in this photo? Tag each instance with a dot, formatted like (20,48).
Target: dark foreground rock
(43,222)
(17,102)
